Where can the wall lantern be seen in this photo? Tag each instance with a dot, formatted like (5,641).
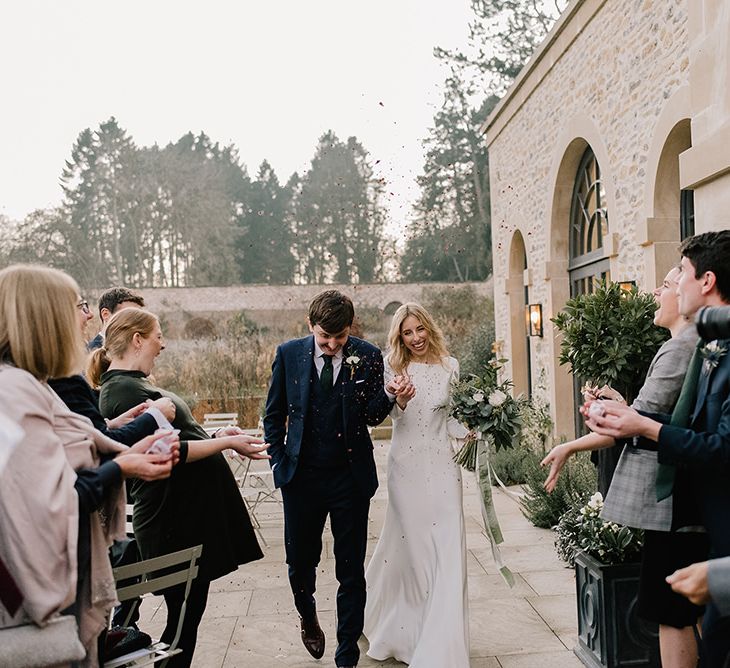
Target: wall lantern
(533,318)
(627,286)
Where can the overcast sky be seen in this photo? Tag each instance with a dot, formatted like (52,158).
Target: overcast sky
(268,76)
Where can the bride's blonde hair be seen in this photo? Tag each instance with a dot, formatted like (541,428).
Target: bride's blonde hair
(399,357)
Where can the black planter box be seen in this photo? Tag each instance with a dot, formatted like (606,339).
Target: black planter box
(610,633)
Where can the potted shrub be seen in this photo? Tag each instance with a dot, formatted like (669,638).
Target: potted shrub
(609,338)
(605,556)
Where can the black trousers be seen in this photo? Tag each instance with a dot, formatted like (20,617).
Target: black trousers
(308,499)
(197,600)
(122,553)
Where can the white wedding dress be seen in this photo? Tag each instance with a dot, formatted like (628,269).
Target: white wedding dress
(417,605)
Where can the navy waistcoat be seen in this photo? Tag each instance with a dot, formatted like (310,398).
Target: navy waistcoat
(323,443)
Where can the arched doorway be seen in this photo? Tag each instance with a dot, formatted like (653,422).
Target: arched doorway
(518,299)
(587,264)
(673,208)
(669,210)
(564,264)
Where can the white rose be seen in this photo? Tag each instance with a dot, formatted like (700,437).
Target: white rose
(596,501)
(352,359)
(497,398)
(478,397)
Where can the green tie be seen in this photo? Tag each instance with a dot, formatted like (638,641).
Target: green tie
(680,418)
(325,378)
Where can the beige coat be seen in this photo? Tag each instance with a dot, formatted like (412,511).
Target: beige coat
(39,509)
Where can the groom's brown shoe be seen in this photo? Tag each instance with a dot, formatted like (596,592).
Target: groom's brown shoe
(313,637)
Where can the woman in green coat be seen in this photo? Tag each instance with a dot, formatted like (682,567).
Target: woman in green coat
(200,503)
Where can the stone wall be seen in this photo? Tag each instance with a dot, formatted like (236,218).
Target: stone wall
(290,297)
(267,304)
(602,78)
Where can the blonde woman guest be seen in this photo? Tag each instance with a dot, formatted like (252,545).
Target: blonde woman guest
(61,498)
(631,499)
(417,606)
(200,503)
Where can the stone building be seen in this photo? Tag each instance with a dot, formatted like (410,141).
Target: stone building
(608,149)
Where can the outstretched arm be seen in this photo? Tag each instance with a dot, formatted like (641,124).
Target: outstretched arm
(559,455)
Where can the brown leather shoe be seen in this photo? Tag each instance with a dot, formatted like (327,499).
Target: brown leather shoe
(313,637)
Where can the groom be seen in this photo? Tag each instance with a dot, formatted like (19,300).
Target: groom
(325,390)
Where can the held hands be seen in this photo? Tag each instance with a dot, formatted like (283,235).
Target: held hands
(691,582)
(136,463)
(402,388)
(556,458)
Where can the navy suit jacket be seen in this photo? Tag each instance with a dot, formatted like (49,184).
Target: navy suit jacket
(704,452)
(364,402)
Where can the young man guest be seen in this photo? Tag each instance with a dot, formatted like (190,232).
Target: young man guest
(695,448)
(111,301)
(325,390)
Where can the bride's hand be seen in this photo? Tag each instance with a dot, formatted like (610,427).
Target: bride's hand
(405,394)
(396,384)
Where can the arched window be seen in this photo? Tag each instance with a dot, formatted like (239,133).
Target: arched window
(587,266)
(391,308)
(588,227)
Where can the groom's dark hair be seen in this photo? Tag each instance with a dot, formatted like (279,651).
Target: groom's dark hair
(332,311)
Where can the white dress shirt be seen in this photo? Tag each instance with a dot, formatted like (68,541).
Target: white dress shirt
(319,362)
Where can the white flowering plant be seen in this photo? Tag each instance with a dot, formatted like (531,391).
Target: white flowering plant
(486,407)
(582,528)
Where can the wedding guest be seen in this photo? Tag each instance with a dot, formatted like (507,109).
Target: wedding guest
(200,503)
(61,499)
(693,444)
(631,499)
(111,301)
(417,606)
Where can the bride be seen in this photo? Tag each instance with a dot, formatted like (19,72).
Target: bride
(417,606)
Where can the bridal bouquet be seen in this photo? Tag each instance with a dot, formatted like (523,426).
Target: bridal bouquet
(486,407)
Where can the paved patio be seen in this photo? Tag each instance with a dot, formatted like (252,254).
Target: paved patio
(250,619)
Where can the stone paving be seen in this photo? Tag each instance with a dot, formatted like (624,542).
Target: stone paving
(250,619)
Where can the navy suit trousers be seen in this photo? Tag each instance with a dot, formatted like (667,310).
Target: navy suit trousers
(313,494)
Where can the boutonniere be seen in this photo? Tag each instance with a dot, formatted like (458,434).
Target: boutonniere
(352,360)
(712,353)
